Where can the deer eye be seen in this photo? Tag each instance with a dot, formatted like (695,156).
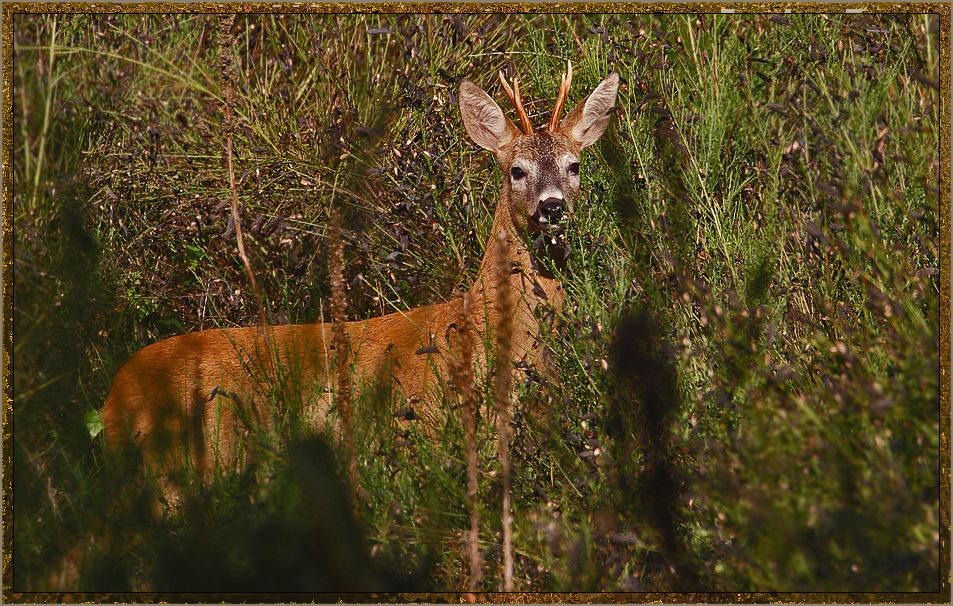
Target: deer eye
(517,172)
(574,168)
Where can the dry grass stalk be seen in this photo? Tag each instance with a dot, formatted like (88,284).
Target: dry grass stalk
(342,348)
(226,71)
(503,385)
(462,374)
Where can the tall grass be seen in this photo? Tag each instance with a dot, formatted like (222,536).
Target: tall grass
(342,352)
(226,71)
(504,307)
(465,384)
(746,385)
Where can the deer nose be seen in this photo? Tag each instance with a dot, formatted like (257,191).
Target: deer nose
(551,210)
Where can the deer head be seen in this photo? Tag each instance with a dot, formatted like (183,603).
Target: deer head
(540,166)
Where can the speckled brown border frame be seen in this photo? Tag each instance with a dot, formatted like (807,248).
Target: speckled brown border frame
(942,596)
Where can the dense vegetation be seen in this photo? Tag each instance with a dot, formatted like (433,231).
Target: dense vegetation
(748,362)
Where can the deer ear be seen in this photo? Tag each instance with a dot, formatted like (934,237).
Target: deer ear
(485,122)
(586,123)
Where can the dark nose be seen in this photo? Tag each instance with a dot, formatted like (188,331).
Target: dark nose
(551,209)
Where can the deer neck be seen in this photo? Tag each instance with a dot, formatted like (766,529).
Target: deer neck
(530,285)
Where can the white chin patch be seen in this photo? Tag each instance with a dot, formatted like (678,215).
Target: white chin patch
(543,219)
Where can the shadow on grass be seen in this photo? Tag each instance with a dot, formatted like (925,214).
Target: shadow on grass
(639,422)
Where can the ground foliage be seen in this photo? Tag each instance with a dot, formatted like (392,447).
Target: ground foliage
(747,392)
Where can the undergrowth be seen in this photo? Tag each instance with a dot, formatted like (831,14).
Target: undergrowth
(747,385)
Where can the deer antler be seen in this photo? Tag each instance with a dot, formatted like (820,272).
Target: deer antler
(564,83)
(517,100)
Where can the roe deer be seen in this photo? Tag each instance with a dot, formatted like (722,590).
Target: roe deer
(191,388)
